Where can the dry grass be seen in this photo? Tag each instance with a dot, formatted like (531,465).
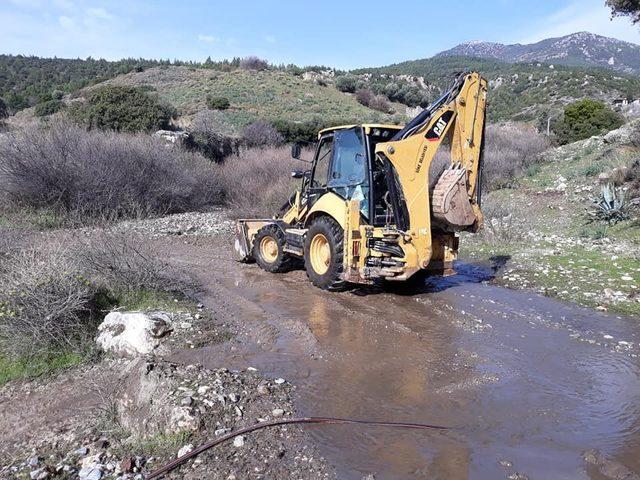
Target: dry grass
(84,176)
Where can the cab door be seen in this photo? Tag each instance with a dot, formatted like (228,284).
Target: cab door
(318,183)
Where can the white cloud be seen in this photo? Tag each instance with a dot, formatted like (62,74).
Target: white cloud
(270,39)
(208,38)
(66,22)
(99,13)
(583,15)
(64,4)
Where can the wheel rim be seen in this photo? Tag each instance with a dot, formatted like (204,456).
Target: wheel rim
(269,249)
(320,254)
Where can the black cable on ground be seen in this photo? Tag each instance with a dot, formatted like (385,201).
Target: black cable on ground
(321,420)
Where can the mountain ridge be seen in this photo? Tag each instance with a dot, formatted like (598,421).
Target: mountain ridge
(576,49)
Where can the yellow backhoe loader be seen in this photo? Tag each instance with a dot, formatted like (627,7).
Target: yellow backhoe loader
(367,209)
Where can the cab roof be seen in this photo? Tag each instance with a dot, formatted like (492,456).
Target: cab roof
(367,128)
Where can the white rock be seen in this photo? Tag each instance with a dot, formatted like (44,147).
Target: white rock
(277,412)
(186,449)
(90,473)
(238,441)
(279,381)
(133,333)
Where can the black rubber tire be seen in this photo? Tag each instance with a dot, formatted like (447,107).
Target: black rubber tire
(283,261)
(331,279)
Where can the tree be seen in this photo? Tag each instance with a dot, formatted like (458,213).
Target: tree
(48,108)
(123,109)
(626,8)
(584,119)
(4,111)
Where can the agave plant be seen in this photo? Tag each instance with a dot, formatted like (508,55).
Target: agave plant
(611,206)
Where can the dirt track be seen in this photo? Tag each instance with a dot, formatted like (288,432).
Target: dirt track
(529,383)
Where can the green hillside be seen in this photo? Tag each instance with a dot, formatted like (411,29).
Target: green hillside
(520,91)
(266,95)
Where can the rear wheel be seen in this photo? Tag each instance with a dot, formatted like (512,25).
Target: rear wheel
(323,254)
(268,249)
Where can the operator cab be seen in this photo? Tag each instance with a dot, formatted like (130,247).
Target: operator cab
(345,164)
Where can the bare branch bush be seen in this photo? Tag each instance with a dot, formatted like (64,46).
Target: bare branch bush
(509,151)
(258,181)
(89,176)
(44,302)
(119,262)
(52,294)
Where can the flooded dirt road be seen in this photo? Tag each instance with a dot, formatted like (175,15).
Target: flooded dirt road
(528,382)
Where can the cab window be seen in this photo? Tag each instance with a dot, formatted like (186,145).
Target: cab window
(321,169)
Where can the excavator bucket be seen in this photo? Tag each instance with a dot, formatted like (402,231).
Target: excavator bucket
(241,246)
(451,204)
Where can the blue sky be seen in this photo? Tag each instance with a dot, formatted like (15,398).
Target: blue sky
(344,34)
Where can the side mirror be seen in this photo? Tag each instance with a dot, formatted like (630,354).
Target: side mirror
(296,150)
(299,174)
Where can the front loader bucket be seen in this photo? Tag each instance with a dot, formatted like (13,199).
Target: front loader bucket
(241,247)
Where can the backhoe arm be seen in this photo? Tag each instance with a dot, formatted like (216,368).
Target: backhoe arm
(456,119)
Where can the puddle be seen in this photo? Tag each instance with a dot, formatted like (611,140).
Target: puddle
(511,371)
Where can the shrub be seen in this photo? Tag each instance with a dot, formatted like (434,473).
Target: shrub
(258,181)
(4,110)
(261,134)
(218,103)
(44,303)
(205,138)
(630,8)
(509,152)
(88,176)
(378,102)
(48,108)
(122,109)
(347,83)
(584,119)
(53,296)
(253,63)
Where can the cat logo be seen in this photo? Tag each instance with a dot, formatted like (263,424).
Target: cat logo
(440,126)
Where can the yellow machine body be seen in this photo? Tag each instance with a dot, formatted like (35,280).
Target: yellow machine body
(423,216)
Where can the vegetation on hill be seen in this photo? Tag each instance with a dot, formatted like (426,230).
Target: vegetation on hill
(273,96)
(520,91)
(584,119)
(122,109)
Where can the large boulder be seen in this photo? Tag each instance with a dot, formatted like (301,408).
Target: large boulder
(133,333)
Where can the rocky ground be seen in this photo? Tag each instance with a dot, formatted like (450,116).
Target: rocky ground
(542,234)
(132,410)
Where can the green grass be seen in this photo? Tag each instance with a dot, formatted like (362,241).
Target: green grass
(266,95)
(43,364)
(159,446)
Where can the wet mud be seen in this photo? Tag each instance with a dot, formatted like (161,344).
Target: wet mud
(527,383)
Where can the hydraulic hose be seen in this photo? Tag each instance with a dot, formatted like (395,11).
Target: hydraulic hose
(321,420)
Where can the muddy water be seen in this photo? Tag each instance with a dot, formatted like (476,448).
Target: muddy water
(523,379)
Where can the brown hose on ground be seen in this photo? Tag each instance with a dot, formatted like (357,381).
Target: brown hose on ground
(324,420)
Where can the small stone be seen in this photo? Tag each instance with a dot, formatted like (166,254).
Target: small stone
(90,473)
(200,306)
(39,474)
(82,451)
(233,397)
(627,278)
(279,381)
(238,441)
(197,316)
(607,337)
(263,389)
(203,389)
(277,412)
(184,450)
(506,463)
(186,401)
(252,369)
(33,461)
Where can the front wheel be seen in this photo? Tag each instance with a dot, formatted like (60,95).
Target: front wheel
(268,249)
(323,254)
